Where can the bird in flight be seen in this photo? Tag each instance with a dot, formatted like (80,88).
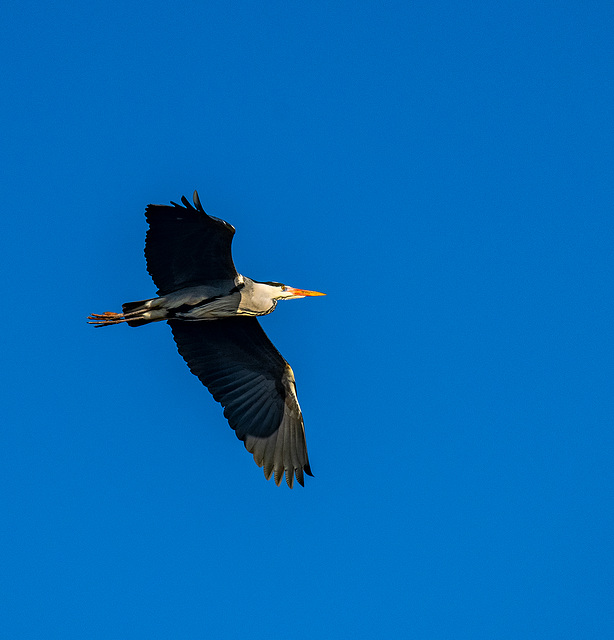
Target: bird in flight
(212,311)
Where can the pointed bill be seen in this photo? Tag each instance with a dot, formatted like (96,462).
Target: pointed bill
(303,292)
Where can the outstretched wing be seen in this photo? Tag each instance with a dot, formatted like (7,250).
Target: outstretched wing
(186,247)
(245,373)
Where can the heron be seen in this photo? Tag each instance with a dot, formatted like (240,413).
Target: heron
(212,311)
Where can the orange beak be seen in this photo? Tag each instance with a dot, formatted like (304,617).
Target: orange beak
(303,292)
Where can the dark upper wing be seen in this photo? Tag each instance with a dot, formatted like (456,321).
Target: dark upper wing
(245,373)
(186,247)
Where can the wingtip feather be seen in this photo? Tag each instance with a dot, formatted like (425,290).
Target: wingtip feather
(196,199)
(290,477)
(279,474)
(299,476)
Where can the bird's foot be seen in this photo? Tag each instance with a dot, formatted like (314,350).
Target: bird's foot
(105,319)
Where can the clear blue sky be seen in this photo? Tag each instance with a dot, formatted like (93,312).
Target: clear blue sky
(445,172)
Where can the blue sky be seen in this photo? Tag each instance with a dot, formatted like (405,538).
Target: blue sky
(444,171)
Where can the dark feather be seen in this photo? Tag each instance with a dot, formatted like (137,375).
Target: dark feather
(186,247)
(245,373)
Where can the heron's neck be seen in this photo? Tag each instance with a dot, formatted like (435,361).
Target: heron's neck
(257,298)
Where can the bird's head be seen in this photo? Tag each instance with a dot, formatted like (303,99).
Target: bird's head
(280,291)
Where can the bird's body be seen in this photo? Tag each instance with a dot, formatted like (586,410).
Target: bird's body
(245,297)
(212,311)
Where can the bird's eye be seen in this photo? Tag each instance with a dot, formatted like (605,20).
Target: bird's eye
(283,287)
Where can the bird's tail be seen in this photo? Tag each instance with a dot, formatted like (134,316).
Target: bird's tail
(134,313)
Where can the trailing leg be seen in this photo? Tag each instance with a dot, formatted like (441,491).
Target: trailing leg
(134,313)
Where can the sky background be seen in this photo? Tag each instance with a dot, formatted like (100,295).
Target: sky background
(444,172)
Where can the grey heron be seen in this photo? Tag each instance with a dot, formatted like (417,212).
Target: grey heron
(212,311)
